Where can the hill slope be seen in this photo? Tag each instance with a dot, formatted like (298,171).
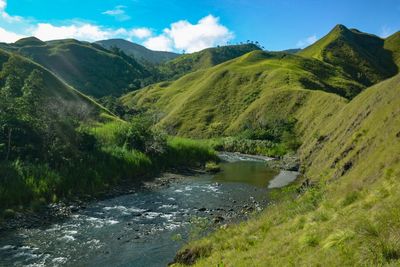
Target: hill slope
(90,68)
(139,52)
(392,43)
(363,56)
(206,58)
(227,98)
(53,88)
(347,215)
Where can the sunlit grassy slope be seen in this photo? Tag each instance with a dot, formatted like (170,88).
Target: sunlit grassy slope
(244,92)
(392,43)
(350,217)
(90,68)
(206,58)
(367,58)
(56,88)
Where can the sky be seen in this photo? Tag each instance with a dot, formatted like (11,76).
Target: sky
(192,25)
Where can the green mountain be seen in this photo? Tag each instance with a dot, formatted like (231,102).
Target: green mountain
(140,53)
(242,93)
(53,88)
(56,143)
(89,68)
(206,58)
(347,213)
(364,56)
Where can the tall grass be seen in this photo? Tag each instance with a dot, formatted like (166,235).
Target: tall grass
(113,160)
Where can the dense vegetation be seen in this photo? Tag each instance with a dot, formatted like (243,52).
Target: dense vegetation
(55,143)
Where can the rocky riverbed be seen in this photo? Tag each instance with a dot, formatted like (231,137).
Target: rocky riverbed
(139,226)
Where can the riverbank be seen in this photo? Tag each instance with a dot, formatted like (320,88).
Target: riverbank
(54,212)
(48,214)
(164,214)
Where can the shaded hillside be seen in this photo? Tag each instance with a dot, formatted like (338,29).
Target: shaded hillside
(53,88)
(203,59)
(346,214)
(363,56)
(140,53)
(90,68)
(228,98)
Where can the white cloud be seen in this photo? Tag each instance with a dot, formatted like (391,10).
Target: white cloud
(9,37)
(159,43)
(386,31)
(87,32)
(3,5)
(141,33)
(118,13)
(183,35)
(307,41)
(5,16)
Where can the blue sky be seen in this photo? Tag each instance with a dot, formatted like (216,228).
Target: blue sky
(192,25)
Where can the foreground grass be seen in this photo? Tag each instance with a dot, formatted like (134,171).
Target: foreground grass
(30,185)
(316,229)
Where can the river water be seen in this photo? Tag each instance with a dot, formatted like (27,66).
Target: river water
(147,228)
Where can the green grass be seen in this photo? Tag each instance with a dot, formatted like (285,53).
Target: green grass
(26,184)
(243,93)
(350,217)
(365,57)
(189,152)
(89,68)
(206,58)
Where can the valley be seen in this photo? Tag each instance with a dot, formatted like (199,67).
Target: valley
(79,119)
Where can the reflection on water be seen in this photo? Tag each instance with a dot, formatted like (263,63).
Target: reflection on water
(250,172)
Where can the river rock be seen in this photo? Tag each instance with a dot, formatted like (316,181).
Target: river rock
(218,219)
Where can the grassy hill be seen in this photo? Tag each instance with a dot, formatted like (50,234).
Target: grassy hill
(392,44)
(347,214)
(365,57)
(242,93)
(53,87)
(139,52)
(57,143)
(89,68)
(206,58)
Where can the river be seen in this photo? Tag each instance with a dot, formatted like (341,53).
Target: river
(147,228)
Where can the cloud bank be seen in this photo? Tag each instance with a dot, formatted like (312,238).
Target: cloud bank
(183,35)
(179,36)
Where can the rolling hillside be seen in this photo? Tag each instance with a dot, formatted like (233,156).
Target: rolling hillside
(206,58)
(89,68)
(367,58)
(347,213)
(54,89)
(242,93)
(140,53)
(248,91)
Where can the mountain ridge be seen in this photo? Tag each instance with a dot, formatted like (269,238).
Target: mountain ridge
(139,52)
